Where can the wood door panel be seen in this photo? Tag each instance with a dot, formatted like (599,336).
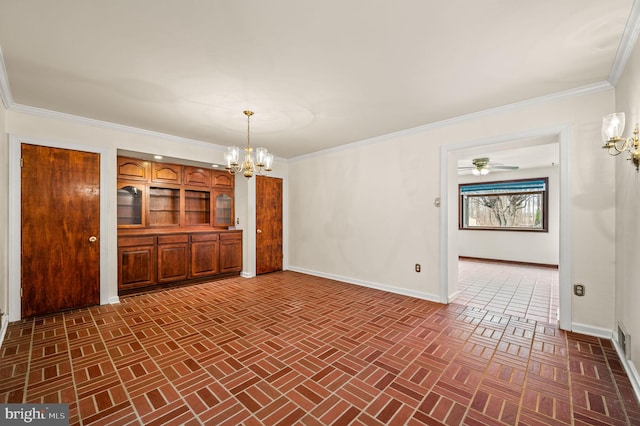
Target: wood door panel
(137,266)
(169,173)
(172,262)
(268,224)
(197,176)
(204,258)
(231,256)
(133,169)
(60,213)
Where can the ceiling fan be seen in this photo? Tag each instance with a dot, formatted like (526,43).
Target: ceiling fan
(482,166)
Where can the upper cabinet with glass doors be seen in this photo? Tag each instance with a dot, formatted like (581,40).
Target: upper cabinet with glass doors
(161,195)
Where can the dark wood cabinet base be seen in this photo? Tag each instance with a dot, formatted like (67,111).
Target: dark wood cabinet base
(152,259)
(159,287)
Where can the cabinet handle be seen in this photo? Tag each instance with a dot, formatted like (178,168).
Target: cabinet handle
(93,239)
(259,231)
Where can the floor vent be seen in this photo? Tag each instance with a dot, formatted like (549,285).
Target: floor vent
(624,340)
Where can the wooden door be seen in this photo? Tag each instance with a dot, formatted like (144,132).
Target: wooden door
(268,224)
(60,229)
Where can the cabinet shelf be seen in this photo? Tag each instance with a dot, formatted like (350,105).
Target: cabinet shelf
(130,204)
(152,195)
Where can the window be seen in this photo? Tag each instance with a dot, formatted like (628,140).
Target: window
(513,205)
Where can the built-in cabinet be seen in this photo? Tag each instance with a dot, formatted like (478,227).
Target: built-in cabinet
(148,260)
(173,224)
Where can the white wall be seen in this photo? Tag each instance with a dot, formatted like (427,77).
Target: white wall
(531,247)
(365,213)
(627,249)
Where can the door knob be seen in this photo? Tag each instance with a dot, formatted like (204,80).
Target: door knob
(93,239)
(259,231)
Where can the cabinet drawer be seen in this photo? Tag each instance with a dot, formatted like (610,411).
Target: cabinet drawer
(172,239)
(136,241)
(226,236)
(204,237)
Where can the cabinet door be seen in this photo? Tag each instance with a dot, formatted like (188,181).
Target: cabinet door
(173,255)
(166,173)
(133,169)
(222,180)
(204,254)
(223,205)
(197,176)
(136,262)
(231,252)
(131,204)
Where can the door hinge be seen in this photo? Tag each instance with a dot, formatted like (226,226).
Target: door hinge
(20,291)
(21,162)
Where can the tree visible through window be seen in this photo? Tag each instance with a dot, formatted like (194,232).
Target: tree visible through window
(507,205)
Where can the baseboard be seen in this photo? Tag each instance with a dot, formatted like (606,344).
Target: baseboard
(246,275)
(629,367)
(604,333)
(4,324)
(363,283)
(113,300)
(511,262)
(453,296)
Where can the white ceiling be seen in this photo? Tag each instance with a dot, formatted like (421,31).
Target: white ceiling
(317,74)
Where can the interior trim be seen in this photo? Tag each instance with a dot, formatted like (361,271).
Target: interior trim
(627,43)
(511,262)
(377,286)
(15,240)
(629,367)
(580,91)
(563,133)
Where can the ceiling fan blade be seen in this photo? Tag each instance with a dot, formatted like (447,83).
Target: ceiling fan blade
(504,167)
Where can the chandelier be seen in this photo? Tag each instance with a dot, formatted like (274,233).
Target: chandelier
(248,167)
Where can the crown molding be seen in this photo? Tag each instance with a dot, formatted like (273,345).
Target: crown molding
(566,94)
(46,113)
(627,43)
(5,90)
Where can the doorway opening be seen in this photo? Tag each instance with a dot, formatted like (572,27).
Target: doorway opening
(484,286)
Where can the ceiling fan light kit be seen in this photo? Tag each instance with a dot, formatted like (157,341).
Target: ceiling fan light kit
(482,166)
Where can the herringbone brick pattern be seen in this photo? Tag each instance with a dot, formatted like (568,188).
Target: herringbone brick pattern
(286,348)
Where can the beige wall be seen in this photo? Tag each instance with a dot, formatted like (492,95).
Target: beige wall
(365,213)
(627,207)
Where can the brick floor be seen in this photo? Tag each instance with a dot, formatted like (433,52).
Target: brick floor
(287,348)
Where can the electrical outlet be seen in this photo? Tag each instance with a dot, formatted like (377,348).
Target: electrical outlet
(418,267)
(578,289)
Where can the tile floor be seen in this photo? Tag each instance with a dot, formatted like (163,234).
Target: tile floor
(525,291)
(287,348)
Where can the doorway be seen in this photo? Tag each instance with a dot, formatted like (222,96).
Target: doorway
(449,216)
(268,224)
(60,224)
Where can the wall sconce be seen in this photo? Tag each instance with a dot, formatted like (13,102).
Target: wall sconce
(612,128)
